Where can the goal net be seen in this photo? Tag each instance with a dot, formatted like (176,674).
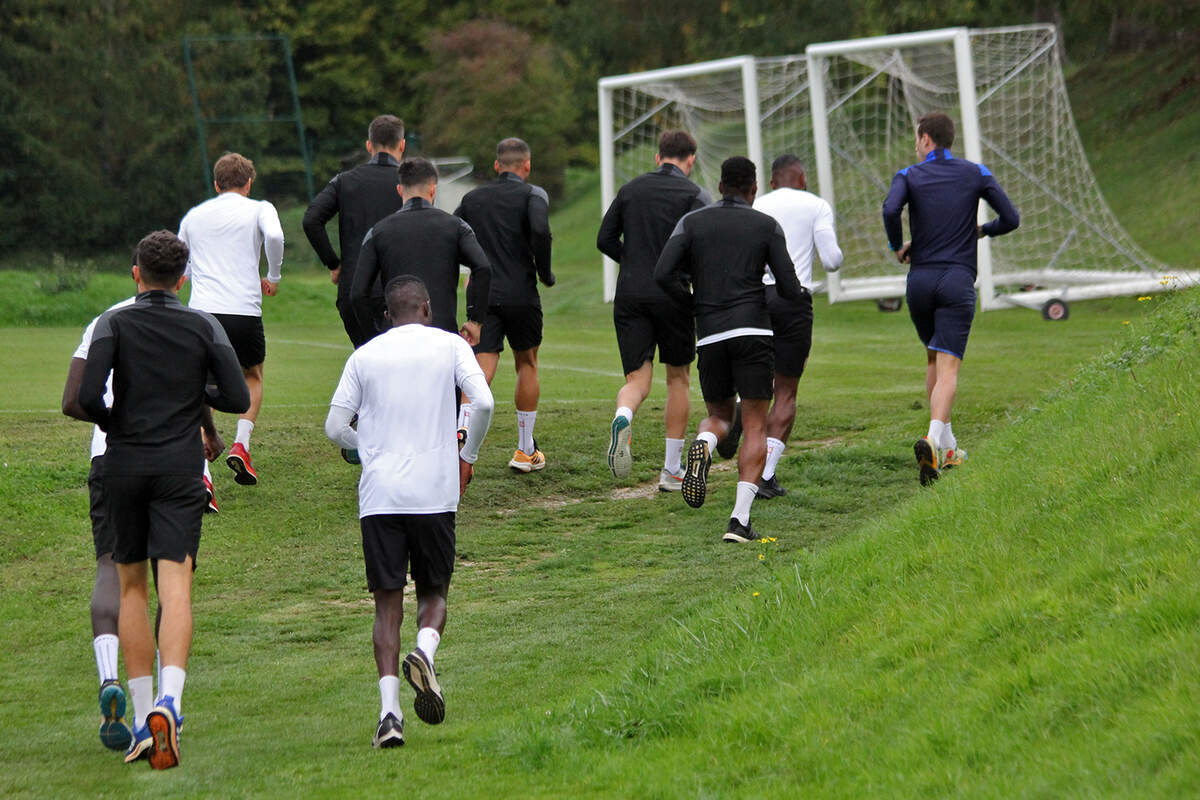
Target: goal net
(849,110)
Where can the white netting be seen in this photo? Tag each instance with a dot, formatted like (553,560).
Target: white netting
(873,99)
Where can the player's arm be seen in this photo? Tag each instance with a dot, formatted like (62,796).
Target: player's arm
(670,270)
(272,231)
(608,240)
(780,262)
(347,399)
(366,273)
(70,398)
(825,238)
(337,427)
(228,391)
(537,209)
(469,378)
(324,207)
(94,380)
(1009,220)
(471,255)
(214,445)
(893,206)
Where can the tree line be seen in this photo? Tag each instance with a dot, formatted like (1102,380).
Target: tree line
(98,121)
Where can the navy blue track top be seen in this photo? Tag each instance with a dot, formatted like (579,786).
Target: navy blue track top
(942,194)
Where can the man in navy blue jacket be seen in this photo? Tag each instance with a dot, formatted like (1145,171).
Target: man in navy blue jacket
(942,194)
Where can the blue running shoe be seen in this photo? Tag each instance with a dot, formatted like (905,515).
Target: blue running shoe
(114,733)
(163,725)
(139,746)
(620,458)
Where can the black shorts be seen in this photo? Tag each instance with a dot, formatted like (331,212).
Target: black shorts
(246,335)
(792,321)
(941,303)
(154,516)
(743,365)
(522,324)
(644,324)
(102,532)
(391,541)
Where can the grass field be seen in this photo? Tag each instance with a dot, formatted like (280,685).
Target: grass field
(1029,627)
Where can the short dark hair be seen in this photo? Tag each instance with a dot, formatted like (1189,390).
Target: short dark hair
(939,127)
(232,170)
(512,152)
(676,144)
(738,174)
(786,161)
(386,130)
(404,295)
(417,172)
(162,257)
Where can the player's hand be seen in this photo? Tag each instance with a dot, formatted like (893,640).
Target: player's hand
(550,280)
(470,332)
(979,232)
(465,473)
(214,445)
(903,252)
(269,288)
(334,274)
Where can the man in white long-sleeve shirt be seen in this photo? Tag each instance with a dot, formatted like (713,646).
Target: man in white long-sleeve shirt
(807,222)
(225,236)
(401,385)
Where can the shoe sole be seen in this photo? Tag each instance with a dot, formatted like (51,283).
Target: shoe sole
(164,742)
(429,703)
(142,751)
(695,475)
(526,466)
(620,457)
(926,461)
(394,738)
(677,486)
(730,536)
(114,733)
(242,474)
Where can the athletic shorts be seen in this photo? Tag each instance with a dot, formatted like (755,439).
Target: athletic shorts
(743,365)
(521,324)
(246,335)
(391,542)
(102,532)
(792,322)
(941,303)
(154,516)
(643,325)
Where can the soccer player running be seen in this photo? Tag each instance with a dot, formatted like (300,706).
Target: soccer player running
(166,361)
(633,232)
(807,221)
(429,243)
(511,219)
(723,251)
(225,235)
(359,198)
(942,194)
(401,385)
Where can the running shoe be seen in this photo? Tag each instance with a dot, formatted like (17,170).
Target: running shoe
(350,456)
(163,725)
(727,447)
(670,481)
(210,497)
(620,458)
(695,474)
(429,704)
(927,460)
(952,457)
(770,487)
(239,462)
(390,732)
(524,462)
(737,532)
(139,745)
(114,732)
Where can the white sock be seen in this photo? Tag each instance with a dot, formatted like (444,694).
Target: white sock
(673,456)
(245,428)
(389,696)
(427,642)
(106,645)
(709,438)
(775,449)
(936,426)
(142,691)
(745,497)
(525,420)
(626,412)
(464,415)
(207,474)
(171,686)
(948,440)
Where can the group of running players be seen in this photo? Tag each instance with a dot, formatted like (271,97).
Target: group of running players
(729,281)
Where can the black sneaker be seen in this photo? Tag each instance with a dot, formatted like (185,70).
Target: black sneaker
(351,456)
(695,474)
(927,461)
(390,732)
(429,703)
(737,532)
(769,487)
(727,447)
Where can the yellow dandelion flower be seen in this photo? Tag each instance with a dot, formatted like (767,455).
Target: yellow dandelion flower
(761,556)
(756,594)
(1126,322)
(1144,299)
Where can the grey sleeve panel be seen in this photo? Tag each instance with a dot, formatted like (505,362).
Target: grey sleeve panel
(540,193)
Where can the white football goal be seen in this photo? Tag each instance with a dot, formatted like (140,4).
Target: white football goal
(849,109)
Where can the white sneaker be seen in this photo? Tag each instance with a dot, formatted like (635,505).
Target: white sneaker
(670,481)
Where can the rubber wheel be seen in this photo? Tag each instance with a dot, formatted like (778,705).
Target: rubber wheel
(1056,310)
(890,304)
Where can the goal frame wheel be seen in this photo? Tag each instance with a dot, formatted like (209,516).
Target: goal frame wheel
(1055,310)
(889,304)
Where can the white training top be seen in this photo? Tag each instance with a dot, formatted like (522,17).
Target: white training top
(805,219)
(99,440)
(225,235)
(401,384)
